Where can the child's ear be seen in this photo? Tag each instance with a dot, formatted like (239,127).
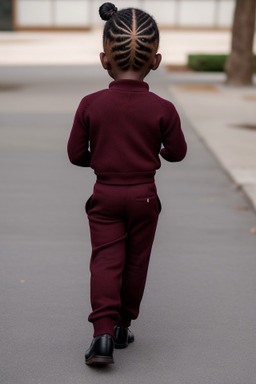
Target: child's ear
(104,61)
(156,62)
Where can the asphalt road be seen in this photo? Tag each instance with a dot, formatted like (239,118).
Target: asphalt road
(198,316)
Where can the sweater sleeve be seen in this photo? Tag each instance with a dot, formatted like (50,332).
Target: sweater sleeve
(174,144)
(78,143)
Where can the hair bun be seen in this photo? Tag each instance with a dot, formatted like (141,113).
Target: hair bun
(107,10)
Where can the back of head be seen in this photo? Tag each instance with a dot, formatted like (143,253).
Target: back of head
(130,37)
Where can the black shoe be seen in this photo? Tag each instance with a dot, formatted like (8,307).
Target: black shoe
(100,351)
(123,336)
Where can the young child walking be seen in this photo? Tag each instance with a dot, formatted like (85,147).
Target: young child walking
(120,133)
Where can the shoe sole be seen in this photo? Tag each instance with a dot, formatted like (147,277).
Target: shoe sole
(100,360)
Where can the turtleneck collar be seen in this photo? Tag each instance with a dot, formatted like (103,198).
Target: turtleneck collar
(129,85)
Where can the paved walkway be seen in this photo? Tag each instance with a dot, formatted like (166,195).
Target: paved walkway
(225,119)
(198,316)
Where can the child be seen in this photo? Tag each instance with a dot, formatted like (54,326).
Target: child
(125,127)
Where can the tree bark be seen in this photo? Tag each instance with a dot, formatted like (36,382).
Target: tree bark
(239,66)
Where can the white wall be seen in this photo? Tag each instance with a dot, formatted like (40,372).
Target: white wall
(70,13)
(197,13)
(225,13)
(53,13)
(34,13)
(164,12)
(84,13)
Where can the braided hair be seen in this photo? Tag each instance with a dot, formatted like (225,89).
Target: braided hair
(131,36)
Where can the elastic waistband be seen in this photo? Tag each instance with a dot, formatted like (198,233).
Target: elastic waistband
(125,178)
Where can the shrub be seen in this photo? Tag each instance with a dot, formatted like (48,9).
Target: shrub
(207,63)
(210,62)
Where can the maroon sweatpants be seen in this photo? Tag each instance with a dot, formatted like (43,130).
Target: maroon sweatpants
(123,221)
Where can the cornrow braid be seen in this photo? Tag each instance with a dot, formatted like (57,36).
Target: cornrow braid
(131,36)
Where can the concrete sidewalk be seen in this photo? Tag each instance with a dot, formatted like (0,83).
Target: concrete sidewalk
(225,117)
(197,320)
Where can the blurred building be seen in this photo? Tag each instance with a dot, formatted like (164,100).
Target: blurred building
(83,14)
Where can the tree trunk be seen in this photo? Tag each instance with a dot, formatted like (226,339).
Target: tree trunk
(239,66)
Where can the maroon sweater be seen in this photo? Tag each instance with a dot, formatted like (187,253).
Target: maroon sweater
(119,132)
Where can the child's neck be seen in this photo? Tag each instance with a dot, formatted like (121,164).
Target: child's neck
(130,75)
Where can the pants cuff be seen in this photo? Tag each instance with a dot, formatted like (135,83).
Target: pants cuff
(103,326)
(125,323)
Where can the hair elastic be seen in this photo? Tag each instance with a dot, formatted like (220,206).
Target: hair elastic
(112,13)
